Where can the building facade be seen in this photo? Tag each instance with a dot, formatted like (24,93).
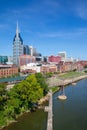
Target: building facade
(8,70)
(26,50)
(17,47)
(30,68)
(55,59)
(3,59)
(10,60)
(26,59)
(62,55)
(48,68)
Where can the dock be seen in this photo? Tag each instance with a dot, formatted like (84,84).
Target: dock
(50,113)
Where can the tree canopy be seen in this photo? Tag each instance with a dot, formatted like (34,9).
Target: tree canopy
(22,96)
(2,95)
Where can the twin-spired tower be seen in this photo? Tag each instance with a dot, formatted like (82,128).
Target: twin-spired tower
(17,47)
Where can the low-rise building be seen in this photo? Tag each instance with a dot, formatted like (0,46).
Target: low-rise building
(36,68)
(70,66)
(8,70)
(54,59)
(48,68)
(30,68)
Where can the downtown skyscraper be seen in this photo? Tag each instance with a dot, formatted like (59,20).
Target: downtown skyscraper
(17,47)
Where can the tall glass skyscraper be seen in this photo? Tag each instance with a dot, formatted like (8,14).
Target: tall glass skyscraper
(17,47)
(26,50)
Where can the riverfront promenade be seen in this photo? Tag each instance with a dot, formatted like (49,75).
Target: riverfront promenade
(50,113)
(49,108)
(56,81)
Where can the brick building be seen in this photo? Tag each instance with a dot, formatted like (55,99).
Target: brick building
(70,66)
(48,68)
(8,70)
(55,59)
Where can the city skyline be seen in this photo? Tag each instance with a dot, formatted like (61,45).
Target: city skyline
(51,26)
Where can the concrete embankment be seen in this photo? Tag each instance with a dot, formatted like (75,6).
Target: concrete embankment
(55,81)
(68,81)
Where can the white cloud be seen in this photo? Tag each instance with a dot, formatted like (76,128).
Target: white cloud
(82,11)
(79,8)
(65,34)
(3,26)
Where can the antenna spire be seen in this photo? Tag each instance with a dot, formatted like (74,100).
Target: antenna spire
(17,30)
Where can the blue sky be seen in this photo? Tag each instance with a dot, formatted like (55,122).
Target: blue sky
(50,26)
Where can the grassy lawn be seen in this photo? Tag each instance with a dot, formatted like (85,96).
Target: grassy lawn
(71,75)
(55,88)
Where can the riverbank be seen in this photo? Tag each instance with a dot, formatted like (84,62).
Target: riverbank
(55,89)
(13,120)
(57,82)
(68,81)
(22,97)
(65,78)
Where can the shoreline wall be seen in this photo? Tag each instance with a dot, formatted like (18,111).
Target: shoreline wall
(60,82)
(68,81)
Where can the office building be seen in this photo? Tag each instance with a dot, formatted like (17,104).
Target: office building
(62,55)
(17,47)
(3,59)
(32,51)
(10,60)
(26,50)
(55,59)
(26,59)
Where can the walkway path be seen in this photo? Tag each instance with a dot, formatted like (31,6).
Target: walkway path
(50,113)
(56,81)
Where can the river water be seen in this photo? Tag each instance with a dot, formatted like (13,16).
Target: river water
(70,114)
(30,121)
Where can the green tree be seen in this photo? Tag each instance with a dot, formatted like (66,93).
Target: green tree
(85,66)
(28,92)
(2,96)
(49,74)
(19,93)
(41,80)
(12,108)
(36,92)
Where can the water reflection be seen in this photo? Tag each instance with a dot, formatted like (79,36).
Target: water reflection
(30,121)
(62,105)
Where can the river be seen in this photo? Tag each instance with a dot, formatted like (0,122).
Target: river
(30,121)
(70,114)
